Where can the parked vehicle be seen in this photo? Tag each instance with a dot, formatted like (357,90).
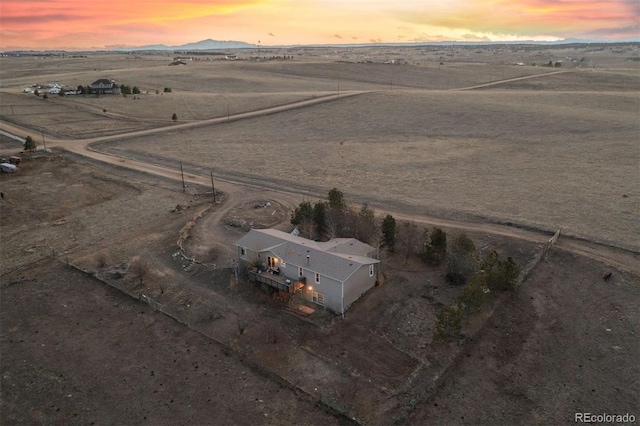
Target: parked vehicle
(8,168)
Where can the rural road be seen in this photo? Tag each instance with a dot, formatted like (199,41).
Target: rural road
(612,256)
(509,80)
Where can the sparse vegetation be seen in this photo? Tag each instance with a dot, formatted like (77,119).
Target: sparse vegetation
(102,259)
(140,269)
(448,324)
(174,117)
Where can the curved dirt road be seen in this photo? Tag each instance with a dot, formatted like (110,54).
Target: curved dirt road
(615,257)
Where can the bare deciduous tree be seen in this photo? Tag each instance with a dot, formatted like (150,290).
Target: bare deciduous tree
(307,228)
(140,269)
(406,239)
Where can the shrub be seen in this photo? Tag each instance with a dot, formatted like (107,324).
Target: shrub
(174,117)
(102,259)
(473,295)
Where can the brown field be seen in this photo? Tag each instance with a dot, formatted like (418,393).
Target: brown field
(545,152)
(550,152)
(543,159)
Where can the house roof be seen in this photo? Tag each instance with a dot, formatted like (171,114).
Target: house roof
(338,258)
(102,81)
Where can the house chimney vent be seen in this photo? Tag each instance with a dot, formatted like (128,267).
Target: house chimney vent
(308,260)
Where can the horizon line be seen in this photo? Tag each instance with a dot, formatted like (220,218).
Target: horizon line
(160,46)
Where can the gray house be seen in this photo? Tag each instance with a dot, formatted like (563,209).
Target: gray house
(333,274)
(105,86)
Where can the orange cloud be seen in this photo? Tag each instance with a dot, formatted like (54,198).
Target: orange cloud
(559,18)
(41,24)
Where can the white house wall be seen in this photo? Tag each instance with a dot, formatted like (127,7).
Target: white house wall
(358,284)
(328,287)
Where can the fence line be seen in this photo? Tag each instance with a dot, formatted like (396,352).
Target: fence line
(149,301)
(337,411)
(526,271)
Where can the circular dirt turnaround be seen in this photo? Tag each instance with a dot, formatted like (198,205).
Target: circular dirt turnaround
(258,213)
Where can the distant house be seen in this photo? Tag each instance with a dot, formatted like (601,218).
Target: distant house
(105,86)
(333,274)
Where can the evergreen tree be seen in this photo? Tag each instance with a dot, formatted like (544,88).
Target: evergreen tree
(30,144)
(336,199)
(389,232)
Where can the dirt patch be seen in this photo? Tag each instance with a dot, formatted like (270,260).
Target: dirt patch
(565,343)
(255,214)
(69,362)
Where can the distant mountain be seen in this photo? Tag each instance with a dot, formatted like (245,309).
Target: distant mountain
(207,44)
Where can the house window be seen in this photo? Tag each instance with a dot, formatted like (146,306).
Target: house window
(317,278)
(300,272)
(370,270)
(318,298)
(283,263)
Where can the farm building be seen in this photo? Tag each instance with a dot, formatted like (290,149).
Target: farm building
(333,273)
(105,86)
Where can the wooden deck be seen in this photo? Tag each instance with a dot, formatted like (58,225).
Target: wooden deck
(280,282)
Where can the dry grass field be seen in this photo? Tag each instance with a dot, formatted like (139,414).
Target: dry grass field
(557,151)
(543,159)
(542,151)
(71,361)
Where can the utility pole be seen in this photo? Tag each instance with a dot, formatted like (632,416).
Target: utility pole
(338,89)
(213,188)
(184,188)
(43,142)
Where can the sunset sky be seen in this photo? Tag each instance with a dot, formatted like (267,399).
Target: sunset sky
(93,24)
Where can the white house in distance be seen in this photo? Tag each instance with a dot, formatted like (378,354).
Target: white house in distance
(333,274)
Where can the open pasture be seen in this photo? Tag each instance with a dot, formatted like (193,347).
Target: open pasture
(543,159)
(203,89)
(556,151)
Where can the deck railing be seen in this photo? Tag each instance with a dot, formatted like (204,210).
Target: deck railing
(279,282)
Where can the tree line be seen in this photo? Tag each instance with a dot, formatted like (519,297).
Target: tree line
(479,277)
